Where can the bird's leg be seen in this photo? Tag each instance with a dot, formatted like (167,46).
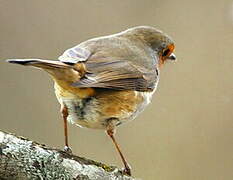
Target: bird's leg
(127,168)
(64,112)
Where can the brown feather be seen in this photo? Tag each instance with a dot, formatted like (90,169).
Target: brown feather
(118,75)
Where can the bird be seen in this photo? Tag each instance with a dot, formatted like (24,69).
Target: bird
(107,81)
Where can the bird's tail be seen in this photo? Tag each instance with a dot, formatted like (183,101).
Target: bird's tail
(44,64)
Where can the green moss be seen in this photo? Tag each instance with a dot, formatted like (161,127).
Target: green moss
(104,166)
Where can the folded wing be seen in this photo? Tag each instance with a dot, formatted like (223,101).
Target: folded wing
(110,73)
(118,75)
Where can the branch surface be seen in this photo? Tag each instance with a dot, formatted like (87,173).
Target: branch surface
(22,159)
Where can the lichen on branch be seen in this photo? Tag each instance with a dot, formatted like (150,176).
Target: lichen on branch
(22,159)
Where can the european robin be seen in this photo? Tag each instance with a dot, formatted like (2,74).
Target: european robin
(107,81)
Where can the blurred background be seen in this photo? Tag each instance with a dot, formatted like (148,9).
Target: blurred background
(187,131)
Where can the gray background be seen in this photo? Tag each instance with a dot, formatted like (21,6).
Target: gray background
(187,131)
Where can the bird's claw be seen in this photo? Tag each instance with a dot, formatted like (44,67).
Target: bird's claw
(68,149)
(127,170)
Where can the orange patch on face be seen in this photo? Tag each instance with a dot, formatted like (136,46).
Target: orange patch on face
(170,48)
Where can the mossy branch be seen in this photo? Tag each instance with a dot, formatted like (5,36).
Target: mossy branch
(23,159)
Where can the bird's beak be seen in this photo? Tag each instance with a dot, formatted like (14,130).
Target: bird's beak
(172,57)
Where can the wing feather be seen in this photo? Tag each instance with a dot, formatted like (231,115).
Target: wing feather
(118,75)
(110,72)
(75,55)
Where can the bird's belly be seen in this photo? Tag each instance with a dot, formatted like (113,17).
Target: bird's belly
(97,111)
(83,112)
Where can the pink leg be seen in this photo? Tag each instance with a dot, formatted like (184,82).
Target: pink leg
(127,168)
(64,112)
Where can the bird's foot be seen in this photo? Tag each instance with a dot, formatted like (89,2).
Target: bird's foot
(68,149)
(127,170)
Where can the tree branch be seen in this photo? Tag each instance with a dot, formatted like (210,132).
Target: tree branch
(23,159)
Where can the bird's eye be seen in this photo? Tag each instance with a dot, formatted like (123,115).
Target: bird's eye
(166,52)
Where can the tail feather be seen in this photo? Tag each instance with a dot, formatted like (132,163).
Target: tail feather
(44,64)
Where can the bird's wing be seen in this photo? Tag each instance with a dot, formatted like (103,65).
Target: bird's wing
(109,72)
(74,55)
(118,75)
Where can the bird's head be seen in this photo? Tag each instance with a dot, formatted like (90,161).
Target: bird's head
(160,43)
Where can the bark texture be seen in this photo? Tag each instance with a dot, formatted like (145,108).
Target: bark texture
(23,159)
